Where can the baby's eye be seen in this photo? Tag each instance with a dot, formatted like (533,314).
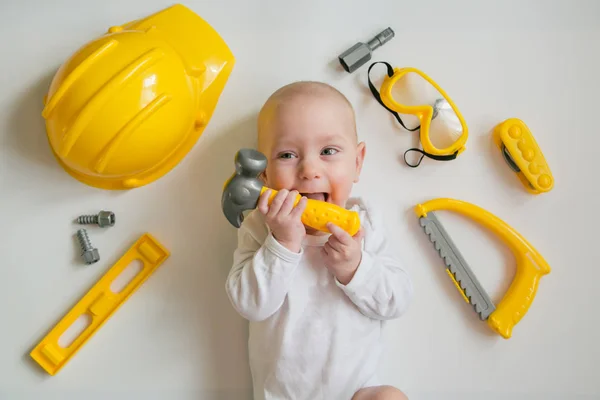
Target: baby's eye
(329,151)
(286,155)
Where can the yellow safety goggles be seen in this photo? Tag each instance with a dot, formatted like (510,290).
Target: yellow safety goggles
(414,95)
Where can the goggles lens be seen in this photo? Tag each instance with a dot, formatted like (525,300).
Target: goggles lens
(412,89)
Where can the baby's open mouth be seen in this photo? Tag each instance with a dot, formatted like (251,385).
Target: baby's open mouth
(316,196)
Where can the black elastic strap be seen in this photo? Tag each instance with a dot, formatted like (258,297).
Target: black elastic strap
(390,72)
(426,154)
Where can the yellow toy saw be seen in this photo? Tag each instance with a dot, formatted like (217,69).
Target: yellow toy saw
(531,266)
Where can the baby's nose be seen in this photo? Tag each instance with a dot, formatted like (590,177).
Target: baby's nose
(309,170)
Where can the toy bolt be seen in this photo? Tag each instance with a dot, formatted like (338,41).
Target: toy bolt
(89,253)
(360,53)
(102,219)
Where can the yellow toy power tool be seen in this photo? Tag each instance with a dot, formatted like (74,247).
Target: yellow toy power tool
(408,91)
(128,106)
(531,266)
(243,189)
(523,155)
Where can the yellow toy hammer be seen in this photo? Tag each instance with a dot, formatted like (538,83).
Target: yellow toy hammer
(242,191)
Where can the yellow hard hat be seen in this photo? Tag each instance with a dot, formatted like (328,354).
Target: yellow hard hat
(128,106)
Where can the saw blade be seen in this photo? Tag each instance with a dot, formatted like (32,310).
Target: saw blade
(457,265)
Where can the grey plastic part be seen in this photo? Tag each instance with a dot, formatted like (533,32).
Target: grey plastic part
(457,265)
(357,55)
(511,163)
(102,219)
(509,160)
(88,252)
(91,256)
(106,218)
(242,189)
(438,105)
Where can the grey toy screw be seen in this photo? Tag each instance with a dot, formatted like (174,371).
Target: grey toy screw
(89,253)
(360,53)
(102,219)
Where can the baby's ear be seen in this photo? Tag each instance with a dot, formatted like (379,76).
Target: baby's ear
(361,151)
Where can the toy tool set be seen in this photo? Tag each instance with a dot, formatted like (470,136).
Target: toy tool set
(128,106)
(120,113)
(411,95)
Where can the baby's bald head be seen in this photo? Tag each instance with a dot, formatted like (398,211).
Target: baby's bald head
(290,98)
(307,131)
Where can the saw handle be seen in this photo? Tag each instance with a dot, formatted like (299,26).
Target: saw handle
(531,266)
(318,213)
(520,294)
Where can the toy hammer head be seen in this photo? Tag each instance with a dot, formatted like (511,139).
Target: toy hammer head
(242,190)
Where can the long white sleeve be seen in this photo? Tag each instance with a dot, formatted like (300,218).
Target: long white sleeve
(262,272)
(380,288)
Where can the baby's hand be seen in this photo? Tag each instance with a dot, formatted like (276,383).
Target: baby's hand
(283,218)
(342,253)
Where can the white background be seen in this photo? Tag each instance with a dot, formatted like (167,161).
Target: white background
(178,337)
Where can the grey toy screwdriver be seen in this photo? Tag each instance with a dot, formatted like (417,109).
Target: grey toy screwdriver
(360,53)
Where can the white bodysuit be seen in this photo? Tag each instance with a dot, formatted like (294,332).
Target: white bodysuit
(311,337)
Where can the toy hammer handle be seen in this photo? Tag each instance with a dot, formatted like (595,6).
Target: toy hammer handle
(318,213)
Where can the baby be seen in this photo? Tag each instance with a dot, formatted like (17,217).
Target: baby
(316,301)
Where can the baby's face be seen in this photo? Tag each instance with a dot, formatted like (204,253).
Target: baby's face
(311,146)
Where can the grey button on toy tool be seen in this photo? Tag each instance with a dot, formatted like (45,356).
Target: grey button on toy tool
(89,253)
(360,53)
